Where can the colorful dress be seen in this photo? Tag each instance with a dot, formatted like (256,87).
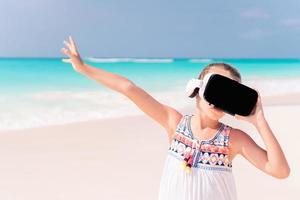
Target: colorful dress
(210,176)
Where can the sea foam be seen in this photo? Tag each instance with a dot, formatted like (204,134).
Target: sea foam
(133,60)
(60,107)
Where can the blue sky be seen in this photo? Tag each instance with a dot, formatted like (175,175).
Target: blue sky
(153,28)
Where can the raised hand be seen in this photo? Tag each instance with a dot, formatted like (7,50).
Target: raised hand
(72,52)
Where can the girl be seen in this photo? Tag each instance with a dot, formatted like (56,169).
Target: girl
(199,161)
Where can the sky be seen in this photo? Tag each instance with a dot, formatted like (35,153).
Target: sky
(153,28)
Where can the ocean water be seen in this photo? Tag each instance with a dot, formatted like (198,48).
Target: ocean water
(40,91)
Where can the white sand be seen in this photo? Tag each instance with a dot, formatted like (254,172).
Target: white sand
(123,158)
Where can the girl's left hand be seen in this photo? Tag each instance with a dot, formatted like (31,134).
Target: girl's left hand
(257,114)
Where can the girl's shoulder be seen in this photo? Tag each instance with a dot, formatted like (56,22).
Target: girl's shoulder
(175,119)
(237,135)
(238,139)
(178,119)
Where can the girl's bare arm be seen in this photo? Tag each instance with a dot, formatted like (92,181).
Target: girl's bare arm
(165,115)
(270,160)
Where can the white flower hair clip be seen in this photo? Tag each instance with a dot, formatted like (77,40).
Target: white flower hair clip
(197,83)
(192,85)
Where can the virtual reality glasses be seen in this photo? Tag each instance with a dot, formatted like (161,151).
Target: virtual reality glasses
(224,93)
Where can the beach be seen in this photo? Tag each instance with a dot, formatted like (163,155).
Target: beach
(123,158)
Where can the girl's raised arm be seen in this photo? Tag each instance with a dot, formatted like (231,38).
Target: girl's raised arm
(163,114)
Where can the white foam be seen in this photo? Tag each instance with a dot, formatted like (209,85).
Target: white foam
(108,60)
(204,60)
(134,60)
(144,60)
(59,107)
(269,87)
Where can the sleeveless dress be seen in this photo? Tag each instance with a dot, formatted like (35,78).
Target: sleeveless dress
(210,176)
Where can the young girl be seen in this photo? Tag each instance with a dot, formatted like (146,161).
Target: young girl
(199,160)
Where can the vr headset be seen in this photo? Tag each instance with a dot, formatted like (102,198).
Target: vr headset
(224,93)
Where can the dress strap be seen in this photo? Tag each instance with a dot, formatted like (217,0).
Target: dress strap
(226,135)
(182,127)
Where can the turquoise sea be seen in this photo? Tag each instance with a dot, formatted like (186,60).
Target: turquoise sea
(45,91)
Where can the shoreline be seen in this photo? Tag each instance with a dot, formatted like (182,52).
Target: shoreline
(292,99)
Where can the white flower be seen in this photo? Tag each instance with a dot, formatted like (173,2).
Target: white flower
(192,85)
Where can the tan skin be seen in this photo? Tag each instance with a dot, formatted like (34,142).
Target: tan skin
(204,123)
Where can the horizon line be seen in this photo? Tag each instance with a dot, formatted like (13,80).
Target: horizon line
(60,57)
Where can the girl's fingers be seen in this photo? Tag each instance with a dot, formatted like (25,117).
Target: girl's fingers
(69,39)
(66,60)
(71,47)
(66,51)
(74,46)
(72,42)
(67,44)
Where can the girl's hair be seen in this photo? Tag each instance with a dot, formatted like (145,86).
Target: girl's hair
(233,71)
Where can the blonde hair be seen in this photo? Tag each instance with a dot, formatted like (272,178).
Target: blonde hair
(233,71)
